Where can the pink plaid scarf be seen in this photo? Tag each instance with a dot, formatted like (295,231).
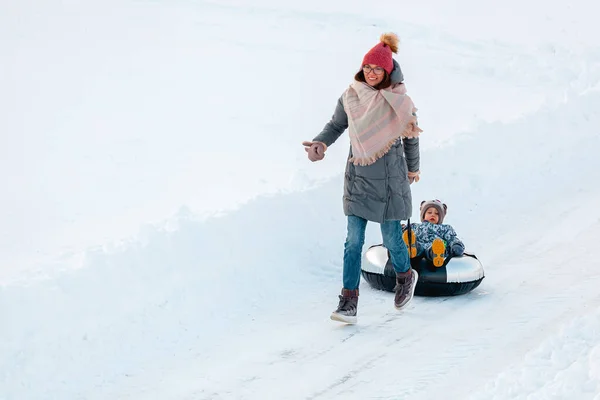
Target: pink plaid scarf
(376,119)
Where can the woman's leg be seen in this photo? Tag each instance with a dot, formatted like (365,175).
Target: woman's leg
(391,231)
(406,277)
(355,240)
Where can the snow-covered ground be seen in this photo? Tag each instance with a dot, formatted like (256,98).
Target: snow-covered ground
(164,236)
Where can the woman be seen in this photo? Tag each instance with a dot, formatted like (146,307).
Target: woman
(383,162)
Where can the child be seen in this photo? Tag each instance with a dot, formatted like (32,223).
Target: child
(432,239)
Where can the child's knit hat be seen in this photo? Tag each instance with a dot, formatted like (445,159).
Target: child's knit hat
(438,205)
(381,53)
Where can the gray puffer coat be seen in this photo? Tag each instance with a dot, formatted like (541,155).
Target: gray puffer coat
(378,192)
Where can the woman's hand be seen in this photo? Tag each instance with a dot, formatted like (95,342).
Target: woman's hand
(413,176)
(315,150)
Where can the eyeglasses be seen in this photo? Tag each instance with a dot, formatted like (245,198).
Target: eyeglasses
(376,70)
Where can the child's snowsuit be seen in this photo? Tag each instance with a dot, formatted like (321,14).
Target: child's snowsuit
(425,232)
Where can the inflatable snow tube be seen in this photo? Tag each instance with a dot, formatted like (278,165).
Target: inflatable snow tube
(458,275)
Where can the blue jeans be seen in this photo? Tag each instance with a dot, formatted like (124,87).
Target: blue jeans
(391,232)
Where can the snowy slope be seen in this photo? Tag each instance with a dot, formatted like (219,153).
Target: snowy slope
(118,113)
(236,305)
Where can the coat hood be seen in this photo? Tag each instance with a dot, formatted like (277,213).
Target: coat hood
(396,76)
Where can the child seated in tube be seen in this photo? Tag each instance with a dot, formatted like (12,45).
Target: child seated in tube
(431,238)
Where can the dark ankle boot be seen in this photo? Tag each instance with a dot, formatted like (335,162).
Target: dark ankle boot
(406,282)
(346,310)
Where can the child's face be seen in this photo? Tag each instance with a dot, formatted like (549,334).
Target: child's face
(432,215)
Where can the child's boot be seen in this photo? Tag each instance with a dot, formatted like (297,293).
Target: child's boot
(411,244)
(438,249)
(346,311)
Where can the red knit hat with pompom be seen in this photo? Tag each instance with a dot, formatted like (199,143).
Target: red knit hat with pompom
(381,53)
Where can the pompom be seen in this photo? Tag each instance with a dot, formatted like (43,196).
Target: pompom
(391,39)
